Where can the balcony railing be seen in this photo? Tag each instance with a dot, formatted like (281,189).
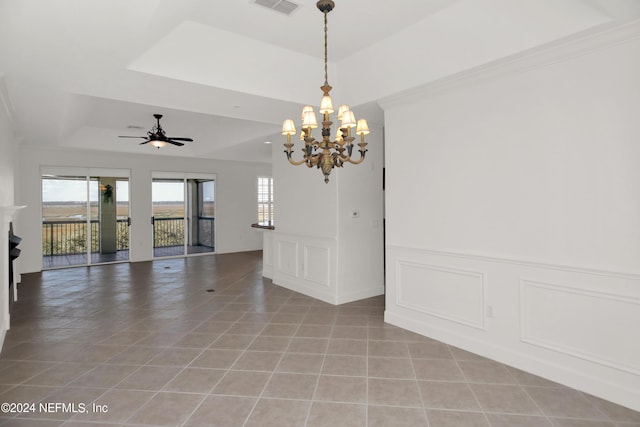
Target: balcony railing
(170,232)
(70,237)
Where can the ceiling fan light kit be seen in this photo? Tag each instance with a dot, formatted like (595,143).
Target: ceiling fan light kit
(326,154)
(158,138)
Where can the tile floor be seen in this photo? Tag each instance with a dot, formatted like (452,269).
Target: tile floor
(149,344)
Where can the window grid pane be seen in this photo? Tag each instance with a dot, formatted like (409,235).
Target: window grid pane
(265,200)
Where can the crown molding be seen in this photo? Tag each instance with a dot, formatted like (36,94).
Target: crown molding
(579,44)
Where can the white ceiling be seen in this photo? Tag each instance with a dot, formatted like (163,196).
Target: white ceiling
(78,73)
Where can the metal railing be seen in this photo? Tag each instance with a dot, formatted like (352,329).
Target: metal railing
(70,237)
(170,232)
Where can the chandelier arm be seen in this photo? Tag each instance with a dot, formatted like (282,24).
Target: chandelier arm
(362,152)
(296,163)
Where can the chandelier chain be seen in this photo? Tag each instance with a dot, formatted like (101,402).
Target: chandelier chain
(326,79)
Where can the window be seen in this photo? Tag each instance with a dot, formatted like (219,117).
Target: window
(265,200)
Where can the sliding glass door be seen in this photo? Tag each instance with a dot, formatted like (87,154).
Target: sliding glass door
(85,218)
(183,214)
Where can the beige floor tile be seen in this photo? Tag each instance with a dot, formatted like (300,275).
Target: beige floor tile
(245,328)
(104,376)
(437,370)
(242,383)
(60,374)
(505,399)
(525,378)
(258,361)
(350,332)
(573,422)
(460,354)
(137,355)
(341,389)
(314,331)
(21,371)
(232,342)
(175,357)
(386,334)
(195,380)
(429,350)
(445,395)
(216,359)
(149,378)
(347,347)
(279,330)
(301,363)
(560,402)
(388,349)
(222,411)
(196,340)
(308,345)
(389,416)
(17,422)
(385,367)
(167,409)
(456,419)
(291,386)
(262,343)
(394,392)
(503,420)
(486,372)
(336,364)
(287,317)
(342,320)
(278,413)
(327,414)
(319,319)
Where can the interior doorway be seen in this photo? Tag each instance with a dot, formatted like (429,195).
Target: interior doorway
(183,215)
(85,217)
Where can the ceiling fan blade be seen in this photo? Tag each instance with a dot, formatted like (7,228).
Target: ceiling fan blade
(145,142)
(179,144)
(180,139)
(122,136)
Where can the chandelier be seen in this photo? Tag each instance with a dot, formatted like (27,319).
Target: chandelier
(326,154)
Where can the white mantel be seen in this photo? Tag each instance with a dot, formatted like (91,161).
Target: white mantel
(8,214)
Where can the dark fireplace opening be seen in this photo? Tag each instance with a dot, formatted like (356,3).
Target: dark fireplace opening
(14,253)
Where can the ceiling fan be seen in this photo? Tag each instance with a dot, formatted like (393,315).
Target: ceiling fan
(158,138)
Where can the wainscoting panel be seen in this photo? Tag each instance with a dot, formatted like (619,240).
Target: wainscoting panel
(590,325)
(306,264)
(267,254)
(572,325)
(316,264)
(452,294)
(287,257)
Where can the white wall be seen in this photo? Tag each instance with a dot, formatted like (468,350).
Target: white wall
(318,248)
(236,203)
(513,213)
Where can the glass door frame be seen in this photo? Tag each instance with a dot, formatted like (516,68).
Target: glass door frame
(187,206)
(87,175)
